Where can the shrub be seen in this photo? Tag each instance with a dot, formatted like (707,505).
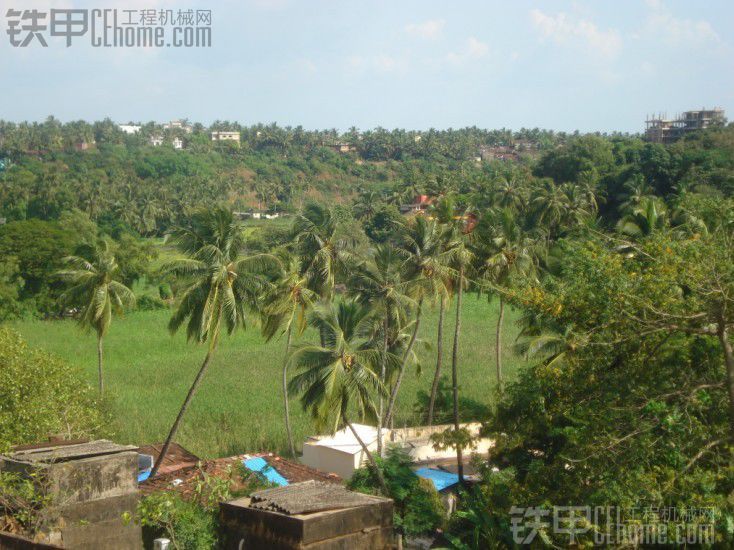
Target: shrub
(41,395)
(150,303)
(165,292)
(417,505)
(22,503)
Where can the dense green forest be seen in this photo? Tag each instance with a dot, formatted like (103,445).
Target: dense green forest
(617,256)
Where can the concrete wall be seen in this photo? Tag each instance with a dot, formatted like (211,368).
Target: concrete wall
(332,460)
(90,498)
(362,528)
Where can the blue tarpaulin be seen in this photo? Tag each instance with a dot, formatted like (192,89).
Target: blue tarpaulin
(441,480)
(259,464)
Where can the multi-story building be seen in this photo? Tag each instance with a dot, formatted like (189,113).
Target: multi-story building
(660,129)
(226,136)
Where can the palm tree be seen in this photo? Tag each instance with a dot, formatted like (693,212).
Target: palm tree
(462,260)
(340,377)
(319,247)
(505,252)
(550,205)
(647,216)
(222,285)
(380,283)
(445,213)
(98,292)
(285,307)
(427,266)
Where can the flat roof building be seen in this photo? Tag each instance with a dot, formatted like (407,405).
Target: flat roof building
(226,136)
(660,129)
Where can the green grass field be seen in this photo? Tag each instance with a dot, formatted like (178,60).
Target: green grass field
(239,405)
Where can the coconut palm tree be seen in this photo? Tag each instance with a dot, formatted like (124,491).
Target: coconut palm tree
(549,205)
(462,260)
(340,377)
(223,284)
(445,213)
(379,282)
(319,247)
(649,214)
(505,252)
(95,289)
(284,309)
(427,267)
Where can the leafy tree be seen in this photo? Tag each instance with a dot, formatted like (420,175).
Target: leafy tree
(94,289)
(418,508)
(10,286)
(40,395)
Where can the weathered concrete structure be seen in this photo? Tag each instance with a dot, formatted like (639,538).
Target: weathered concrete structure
(308,516)
(93,486)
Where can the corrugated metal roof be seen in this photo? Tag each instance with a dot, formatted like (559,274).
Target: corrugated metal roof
(64,453)
(308,497)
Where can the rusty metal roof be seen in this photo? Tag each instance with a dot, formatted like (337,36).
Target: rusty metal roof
(177,457)
(308,497)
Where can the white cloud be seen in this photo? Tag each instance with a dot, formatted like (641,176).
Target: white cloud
(473,49)
(679,31)
(427,29)
(563,29)
(380,63)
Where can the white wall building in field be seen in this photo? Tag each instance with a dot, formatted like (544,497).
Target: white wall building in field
(341,453)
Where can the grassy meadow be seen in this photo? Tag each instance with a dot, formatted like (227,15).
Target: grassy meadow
(239,405)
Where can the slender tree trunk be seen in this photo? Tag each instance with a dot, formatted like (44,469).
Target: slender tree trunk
(99,364)
(288,430)
(396,387)
(187,401)
(729,361)
(439,360)
(498,343)
(455,372)
(383,375)
(378,472)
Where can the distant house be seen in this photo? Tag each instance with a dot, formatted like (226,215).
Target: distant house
(129,129)
(498,153)
(226,136)
(257,215)
(343,148)
(83,145)
(421,203)
(178,143)
(156,141)
(178,125)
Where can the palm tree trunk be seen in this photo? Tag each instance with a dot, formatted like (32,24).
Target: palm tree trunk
(383,374)
(729,361)
(498,343)
(396,387)
(99,363)
(378,472)
(187,401)
(285,394)
(455,372)
(439,360)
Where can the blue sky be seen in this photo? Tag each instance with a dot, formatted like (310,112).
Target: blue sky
(564,65)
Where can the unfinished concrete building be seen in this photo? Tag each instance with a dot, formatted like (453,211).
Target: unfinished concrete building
(660,129)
